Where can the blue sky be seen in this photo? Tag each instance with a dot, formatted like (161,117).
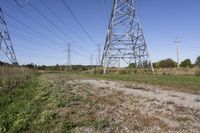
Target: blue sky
(44,40)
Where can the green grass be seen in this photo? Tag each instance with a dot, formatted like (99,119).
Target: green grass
(20,106)
(46,104)
(184,83)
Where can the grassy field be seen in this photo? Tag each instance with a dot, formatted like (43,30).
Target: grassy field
(56,102)
(51,102)
(177,82)
(42,106)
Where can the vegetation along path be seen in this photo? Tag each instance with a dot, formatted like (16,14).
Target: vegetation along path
(70,103)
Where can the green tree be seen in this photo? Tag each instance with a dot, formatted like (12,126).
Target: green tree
(31,66)
(167,63)
(197,63)
(186,63)
(132,65)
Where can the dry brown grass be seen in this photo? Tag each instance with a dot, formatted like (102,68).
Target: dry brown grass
(11,77)
(161,71)
(178,71)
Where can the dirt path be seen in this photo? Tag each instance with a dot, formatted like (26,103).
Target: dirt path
(140,108)
(150,92)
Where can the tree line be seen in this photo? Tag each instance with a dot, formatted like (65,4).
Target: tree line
(170,63)
(166,63)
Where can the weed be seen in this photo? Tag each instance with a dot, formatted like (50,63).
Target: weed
(46,116)
(197,99)
(12,77)
(94,123)
(67,126)
(197,73)
(170,102)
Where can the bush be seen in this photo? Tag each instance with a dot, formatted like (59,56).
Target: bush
(197,63)
(123,71)
(167,63)
(197,73)
(186,63)
(97,71)
(132,65)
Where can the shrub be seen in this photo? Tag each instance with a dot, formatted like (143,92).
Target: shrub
(197,73)
(186,63)
(197,63)
(123,71)
(132,65)
(167,63)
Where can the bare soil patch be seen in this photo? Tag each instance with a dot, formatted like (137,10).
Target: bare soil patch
(130,108)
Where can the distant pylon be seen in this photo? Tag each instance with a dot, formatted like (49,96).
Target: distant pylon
(177,42)
(125,42)
(99,55)
(69,56)
(6,46)
(91,60)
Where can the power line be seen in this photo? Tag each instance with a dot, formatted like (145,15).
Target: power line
(29,33)
(77,54)
(21,4)
(54,14)
(31,41)
(85,50)
(38,50)
(38,57)
(29,27)
(106,9)
(102,16)
(77,20)
(61,21)
(73,51)
(35,31)
(35,20)
(34,35)
(47,19)
(33,53)
(52,48)
(51,24)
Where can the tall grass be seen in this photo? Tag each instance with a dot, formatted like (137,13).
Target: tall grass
(11,77)
(161,71)
(178,71)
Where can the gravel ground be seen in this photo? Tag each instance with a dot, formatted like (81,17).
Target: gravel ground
(142,108)
(178,98)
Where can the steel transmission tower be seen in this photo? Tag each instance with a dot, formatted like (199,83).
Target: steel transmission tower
(6,46)
(177,42)
(69,56)
(125,42)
